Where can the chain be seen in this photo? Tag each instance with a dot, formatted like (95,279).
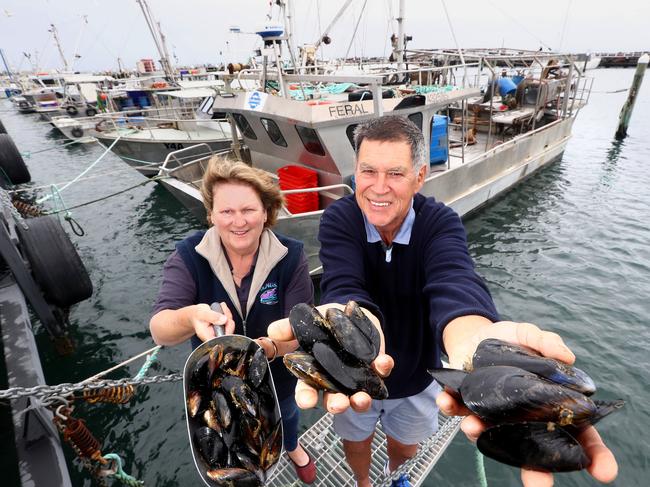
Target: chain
(68,388)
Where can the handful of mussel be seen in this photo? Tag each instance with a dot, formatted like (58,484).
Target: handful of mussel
(536,406)
(234,420)
(337,350)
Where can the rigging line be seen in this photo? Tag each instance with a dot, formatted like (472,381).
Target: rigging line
(566,18)
(355,28)
(520,24)
(388,22)
(45,198)
(453,35)
(121,364)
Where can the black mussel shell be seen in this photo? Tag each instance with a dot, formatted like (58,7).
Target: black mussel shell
(233,477)
(221,409)
(450,379)
(211,421)
(257,368)
(504,394)
(308,326)
(215,358)
(534,446)
(305,368)
(272,447)
(363,323)
(497,352)
(210,446)
(244,398)
(199,375)
(353,378)
(194,400)
(351,339)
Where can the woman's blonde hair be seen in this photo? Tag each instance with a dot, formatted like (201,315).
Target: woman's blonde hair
(220,171)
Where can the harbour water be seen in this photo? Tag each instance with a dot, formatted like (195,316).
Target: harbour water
(568,250)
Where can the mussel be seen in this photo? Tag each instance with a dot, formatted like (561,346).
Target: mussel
(233,477)
(535,406)
(497,352)
(210,446)
(504,394)
(337,350)
(534,446)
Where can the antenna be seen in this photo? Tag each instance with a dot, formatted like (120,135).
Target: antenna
(54,32)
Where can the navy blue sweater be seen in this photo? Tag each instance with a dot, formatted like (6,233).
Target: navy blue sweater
(428,283)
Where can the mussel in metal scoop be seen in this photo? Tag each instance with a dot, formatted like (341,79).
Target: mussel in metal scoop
(233,416)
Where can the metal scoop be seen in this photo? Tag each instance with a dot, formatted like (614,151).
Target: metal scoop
(232,411)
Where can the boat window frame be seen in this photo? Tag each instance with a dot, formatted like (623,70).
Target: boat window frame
(349,131)
(313,146)
(274,132)
(419,122)
(246,131)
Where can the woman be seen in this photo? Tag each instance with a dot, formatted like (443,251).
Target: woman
(256,275)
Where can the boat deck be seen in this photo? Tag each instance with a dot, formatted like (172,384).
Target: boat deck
(327,450)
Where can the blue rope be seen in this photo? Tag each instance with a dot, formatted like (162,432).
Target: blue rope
(121,474)
(480,469)
(147,364)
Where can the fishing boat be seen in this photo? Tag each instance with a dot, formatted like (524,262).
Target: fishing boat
(482,140)
(144,136)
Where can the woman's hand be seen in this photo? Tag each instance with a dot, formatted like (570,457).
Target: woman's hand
(603,464)
(203,318)
(306,396)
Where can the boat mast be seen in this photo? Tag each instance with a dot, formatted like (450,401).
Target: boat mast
(400,35)
(6,65)
(159,40)
(54,32)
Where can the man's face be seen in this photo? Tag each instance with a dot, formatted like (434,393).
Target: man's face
(385,183)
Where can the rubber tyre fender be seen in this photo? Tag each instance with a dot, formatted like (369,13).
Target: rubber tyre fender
(71,110)
(77,132)
(23,104)
(11,162)
(55,263)
(3,130)
(91,111)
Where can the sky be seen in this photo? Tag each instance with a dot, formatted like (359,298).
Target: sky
(197,31)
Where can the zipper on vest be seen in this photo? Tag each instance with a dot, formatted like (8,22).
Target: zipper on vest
(244,325)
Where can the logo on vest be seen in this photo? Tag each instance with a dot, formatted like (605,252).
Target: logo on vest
(269,293)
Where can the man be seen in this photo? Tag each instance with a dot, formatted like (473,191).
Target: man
(404,258)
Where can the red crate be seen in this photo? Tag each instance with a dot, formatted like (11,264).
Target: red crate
(298,177)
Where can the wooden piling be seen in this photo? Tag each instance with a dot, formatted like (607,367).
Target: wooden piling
(626,111)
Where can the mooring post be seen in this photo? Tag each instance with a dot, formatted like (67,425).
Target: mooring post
(626,112)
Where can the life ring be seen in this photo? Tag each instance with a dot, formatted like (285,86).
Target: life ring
(91,111)
(72,110)
(77,132)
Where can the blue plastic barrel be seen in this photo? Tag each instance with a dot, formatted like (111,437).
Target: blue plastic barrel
(438,151)
(506,86)
(517,79)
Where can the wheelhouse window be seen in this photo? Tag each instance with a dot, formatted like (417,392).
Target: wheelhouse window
(416,118)
(273,132)
(350,133)
(310,140)
(244,127)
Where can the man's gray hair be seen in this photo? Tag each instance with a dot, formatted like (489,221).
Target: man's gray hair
(393,128)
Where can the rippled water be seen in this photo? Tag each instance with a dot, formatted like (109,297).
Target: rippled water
(567,250)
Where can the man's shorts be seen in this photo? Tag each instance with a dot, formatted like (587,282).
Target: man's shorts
(409,420)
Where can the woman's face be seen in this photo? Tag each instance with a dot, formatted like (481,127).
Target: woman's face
(239,217)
